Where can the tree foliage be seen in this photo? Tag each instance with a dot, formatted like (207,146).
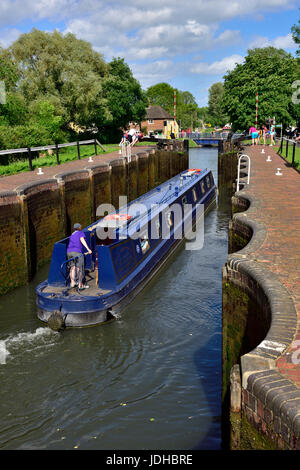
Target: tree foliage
(53,80)
(187,111)
(296,35)
(124,96)
(270,72)
(215,110)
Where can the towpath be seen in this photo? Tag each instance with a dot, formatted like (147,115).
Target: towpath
(279,211)
(11,182)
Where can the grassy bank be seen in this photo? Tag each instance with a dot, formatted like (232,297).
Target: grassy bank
(67,154)
(289,156)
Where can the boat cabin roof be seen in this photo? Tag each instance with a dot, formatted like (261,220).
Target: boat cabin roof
(150,204)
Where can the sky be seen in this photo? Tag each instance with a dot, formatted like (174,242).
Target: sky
(189,44)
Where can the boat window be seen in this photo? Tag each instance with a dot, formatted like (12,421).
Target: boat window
(158,228)
(208,181)
(194,194)
(184,200)
(145,245)
(202,187)
(169,219)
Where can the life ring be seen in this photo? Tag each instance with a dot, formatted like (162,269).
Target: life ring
(197,170)
(120,217)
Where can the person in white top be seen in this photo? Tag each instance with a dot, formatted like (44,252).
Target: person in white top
(133,136)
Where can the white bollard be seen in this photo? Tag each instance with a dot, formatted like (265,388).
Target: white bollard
(268,159)
(40,172)
(90,160)
(262,150)
(278,172)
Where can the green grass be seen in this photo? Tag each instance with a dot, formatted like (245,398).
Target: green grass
(67,154)
(289,157)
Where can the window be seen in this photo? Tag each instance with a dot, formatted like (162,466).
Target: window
(158,229)
(145,245)
(169,219)
(184,200)
(202,187)
(208,181)
(150,121)
(194,194)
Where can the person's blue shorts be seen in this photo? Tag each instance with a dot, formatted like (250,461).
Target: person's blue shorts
(254,135)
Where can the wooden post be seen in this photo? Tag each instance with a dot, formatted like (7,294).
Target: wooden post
(57,154)
(30,159)
(95,144)
(293,158)
(78,150)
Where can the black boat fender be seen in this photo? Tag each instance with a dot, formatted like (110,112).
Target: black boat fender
(56,321)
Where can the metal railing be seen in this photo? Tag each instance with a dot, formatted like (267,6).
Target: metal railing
(210,135)
(241,157)
(126,150)
(55,147)
(285,145)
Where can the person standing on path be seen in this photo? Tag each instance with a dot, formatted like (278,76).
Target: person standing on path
(264,133)
(272,134)
(74,250)
(254,134)
(131,136)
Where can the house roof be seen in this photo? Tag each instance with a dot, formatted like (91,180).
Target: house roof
(157,112)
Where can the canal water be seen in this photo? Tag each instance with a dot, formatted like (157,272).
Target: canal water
(150,380)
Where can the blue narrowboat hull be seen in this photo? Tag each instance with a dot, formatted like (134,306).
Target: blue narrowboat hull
(81,310)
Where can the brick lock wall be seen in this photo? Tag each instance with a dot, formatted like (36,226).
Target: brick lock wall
(13,265)
(143,185)
(132,178)
(43,218)
(78,200)
(269,401)
(118,181)
(101,180)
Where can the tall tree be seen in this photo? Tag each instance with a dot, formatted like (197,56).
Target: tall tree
(269,72)
(64,69)
(162,94)
(9,72)
(124,96)
(296,35)
(215,104)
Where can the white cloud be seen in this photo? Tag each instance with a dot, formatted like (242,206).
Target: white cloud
(229,37)
(218,67)
(8,36)
(281,42)
(155,38)
(154,72)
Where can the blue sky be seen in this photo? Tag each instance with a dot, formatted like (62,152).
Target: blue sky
(188,44)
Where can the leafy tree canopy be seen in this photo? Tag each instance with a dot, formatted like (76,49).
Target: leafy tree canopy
(125,98)
(53,80)
(270,72)
(215,104)
(296,35)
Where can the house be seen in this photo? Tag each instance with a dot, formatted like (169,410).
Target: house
(159,121)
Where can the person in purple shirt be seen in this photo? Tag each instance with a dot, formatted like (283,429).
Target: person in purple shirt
(75,249)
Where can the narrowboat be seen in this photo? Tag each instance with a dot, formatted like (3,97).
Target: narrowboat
(128,247)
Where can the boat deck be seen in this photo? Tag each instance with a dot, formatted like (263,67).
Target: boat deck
(93,290)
